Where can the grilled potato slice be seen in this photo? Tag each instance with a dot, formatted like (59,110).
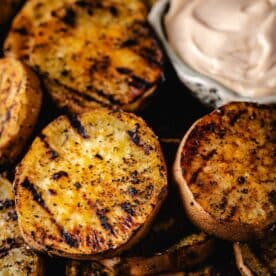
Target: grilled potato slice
(15,257)
(7,10)
(90,185)
(257,257)
(20,100)
(225,169)
(188,252)
(89,52)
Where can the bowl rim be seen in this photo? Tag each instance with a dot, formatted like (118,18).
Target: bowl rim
(185,72)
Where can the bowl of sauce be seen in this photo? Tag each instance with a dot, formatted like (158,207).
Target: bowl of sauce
(222,50)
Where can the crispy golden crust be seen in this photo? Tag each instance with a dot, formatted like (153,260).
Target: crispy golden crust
(188,252)
(7,9)
(20,101)
(15,257)
(225,169)
(256,257)
(102,52)
(90,185)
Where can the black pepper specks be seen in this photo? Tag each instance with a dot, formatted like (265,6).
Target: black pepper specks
(98,156)
(77,185)
(133,134)
(134,177)
(241,180)
(69,18)
(59,174)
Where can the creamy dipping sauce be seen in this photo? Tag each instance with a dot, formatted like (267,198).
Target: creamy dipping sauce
(231,41)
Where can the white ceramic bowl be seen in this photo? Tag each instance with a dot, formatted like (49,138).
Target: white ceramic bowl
(207,90)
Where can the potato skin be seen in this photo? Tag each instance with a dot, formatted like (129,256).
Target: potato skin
(15,257)
(222,191)
(90,185)
(90,53)
(20,102)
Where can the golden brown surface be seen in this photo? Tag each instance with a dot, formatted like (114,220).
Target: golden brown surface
(20,101)
(90,184)
(15,258)
(97,52)
(226,165)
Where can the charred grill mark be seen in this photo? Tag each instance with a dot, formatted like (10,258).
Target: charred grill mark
(109,97)
(100,64)
(195,175)
(82,95)
(21,31)
(132,191)
(124,70)
(52,192)
(114,11)
(52,152)
(128,208)
(6,204)
(98,156)
(59,174)
(148,191)
(127,223)
(38,198)
(234,117)
(104,222)
(76,124)
(129,43)
(232,212)
(140,83)
(94,240)
(70,17)
(151,56)
(36,195)
(134,177)
(209,155)
(135,81)
(72,242)
(133,134)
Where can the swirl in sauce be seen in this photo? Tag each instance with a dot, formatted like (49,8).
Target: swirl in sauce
(231,41)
